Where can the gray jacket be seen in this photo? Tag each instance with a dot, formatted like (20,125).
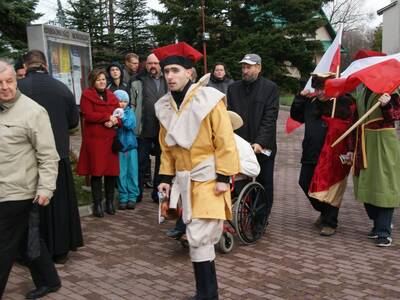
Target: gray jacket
(144,95)
(28,155)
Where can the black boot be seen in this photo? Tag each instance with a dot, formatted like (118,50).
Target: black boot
(110,209)
(109,186)
(97,196)
(98,210)
(206,281)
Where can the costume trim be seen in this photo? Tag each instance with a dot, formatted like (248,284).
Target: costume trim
(183,125)
(333,195)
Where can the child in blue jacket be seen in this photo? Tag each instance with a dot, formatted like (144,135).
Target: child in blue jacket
(128,180)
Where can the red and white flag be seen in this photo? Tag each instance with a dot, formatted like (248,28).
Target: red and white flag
(381,74)
(329,62)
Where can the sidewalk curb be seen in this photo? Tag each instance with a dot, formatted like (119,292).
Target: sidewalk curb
(85,210)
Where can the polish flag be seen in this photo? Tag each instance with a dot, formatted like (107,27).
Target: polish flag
(381,74)
(329,62)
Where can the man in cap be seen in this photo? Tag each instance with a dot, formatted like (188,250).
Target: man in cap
(319,159)
(256,100)
(198,148)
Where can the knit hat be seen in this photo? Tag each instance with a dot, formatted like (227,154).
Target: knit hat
(122,95)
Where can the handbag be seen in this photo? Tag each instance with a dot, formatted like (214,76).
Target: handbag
(116,145)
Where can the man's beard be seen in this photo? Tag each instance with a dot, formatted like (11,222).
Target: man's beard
(249,78)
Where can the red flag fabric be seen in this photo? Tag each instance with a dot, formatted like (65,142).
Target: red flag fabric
(330,175)
(367,53)
(330,60)
(291,125)
(380,77)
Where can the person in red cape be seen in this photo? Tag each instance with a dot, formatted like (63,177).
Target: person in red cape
(96,157)
(323,173)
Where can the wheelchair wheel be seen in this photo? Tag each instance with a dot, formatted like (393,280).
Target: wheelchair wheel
(251,213)
(226,242)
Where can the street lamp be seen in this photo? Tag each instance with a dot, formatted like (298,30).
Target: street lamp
(205,36)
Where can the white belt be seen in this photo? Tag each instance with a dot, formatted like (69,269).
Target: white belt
(181,188)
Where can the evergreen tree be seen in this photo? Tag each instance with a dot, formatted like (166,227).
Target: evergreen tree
(281,32)
(91,16)
(60,15)
(132,33)
(15,15)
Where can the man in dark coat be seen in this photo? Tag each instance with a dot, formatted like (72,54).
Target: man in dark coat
(145,91)
(59,222)
(256,100)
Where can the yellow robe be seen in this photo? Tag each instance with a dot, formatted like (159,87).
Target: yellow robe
(215,137)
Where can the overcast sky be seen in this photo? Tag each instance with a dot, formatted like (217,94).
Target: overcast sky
(49,7)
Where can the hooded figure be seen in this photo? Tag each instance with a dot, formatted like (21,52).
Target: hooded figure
(115,78)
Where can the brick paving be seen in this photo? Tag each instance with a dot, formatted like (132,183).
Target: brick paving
(128,256)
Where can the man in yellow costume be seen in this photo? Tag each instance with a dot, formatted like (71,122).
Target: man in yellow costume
(199,153)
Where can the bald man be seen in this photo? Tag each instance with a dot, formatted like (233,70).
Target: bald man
(145,91)
(28,173)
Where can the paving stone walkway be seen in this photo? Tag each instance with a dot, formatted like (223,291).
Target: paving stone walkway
(128,256)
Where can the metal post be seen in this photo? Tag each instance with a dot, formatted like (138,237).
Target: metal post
(203,37)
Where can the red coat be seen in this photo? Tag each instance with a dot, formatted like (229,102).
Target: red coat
(96,157)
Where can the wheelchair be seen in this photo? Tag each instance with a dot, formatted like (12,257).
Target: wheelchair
(250,212)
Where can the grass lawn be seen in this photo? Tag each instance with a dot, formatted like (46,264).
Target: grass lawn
(84,197)
(286,99)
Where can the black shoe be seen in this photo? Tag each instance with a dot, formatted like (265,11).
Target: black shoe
(174,233)
(130,205)
(42,291)
(383,241)
(110,209)
(122,206)
(60,259)
(98,210)
(149,184)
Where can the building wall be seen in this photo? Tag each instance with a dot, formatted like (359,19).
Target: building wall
(391,30)
(321,34)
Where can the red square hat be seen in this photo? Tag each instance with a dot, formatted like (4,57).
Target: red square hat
(180,54)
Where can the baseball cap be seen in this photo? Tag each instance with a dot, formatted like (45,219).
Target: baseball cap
(251,59)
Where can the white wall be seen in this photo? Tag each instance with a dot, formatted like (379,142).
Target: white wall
(391,30)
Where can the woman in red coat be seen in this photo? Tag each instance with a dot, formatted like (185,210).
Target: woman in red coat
(96,156)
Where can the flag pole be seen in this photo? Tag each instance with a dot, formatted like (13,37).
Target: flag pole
(334,99)
(344,135)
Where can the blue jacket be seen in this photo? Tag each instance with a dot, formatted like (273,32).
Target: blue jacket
(125,133)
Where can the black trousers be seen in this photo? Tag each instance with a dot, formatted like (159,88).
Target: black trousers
(147,146)
(13,234)
(266,179)
(329,213)
(382,217)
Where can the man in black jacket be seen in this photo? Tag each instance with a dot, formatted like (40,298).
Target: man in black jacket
(145,91)
(59,222)
(256,100)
